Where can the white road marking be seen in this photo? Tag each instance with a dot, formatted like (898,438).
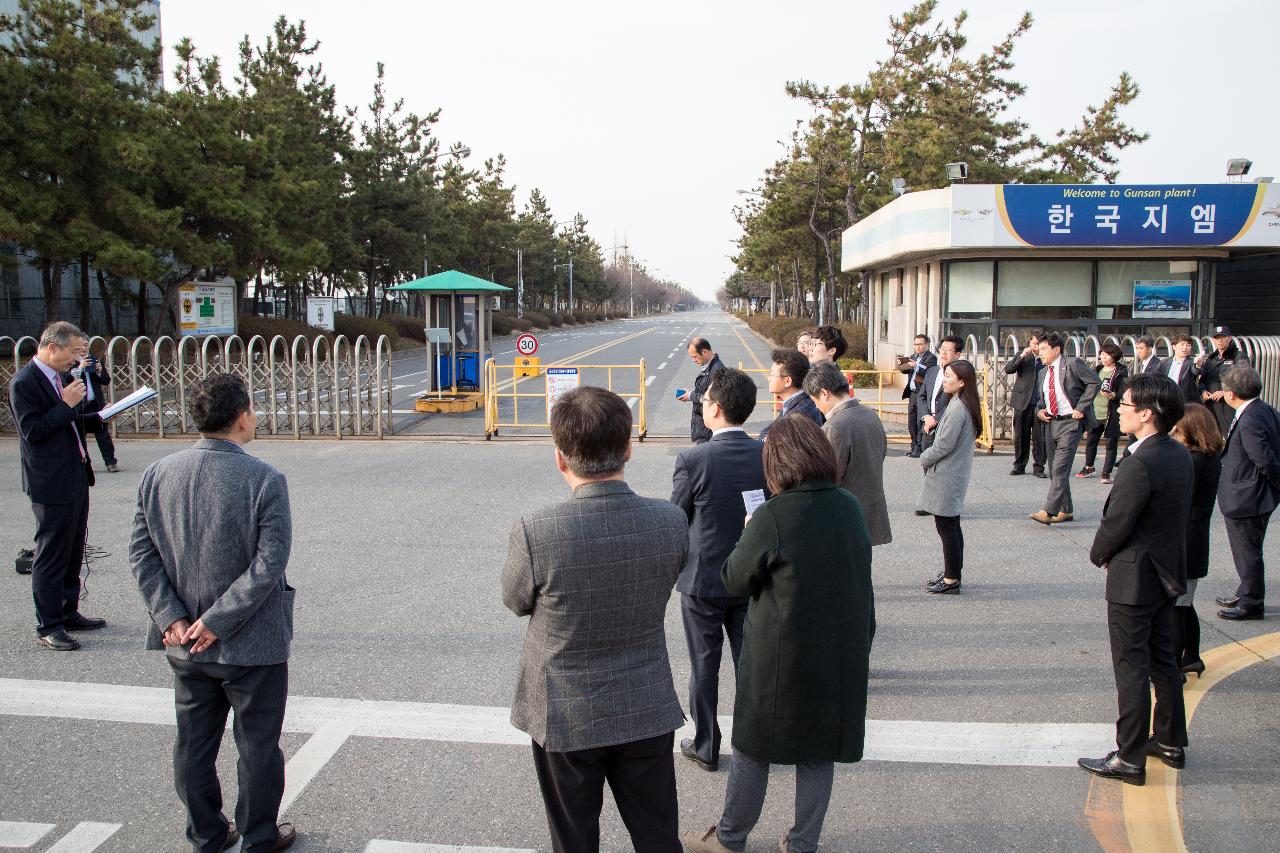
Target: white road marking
(15,834)
(86,837)
(649,381)
(377,845)
(311,758)
(939,742)
(631,402)
(660,366)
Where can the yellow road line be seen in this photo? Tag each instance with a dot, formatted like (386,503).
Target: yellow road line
(579,355)
(747,347)
(1151,818)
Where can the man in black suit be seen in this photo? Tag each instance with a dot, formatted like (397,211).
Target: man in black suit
(703,356)
(931,400)
(1144,356)
(916,368)
(1028,432)
(1141,545)
(1181,368)
(708,484)
(1225,356)
(96,380)
(56,475)
(1064,403)
(786,383)
(1249,488)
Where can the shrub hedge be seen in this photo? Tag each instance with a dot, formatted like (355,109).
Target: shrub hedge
(538,319)
(784,331)
(410,328)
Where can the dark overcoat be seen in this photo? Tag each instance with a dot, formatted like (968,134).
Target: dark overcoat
(805,561)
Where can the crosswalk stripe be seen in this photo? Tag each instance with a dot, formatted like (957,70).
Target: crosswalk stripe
(86,837)
(22,835)
(379,846)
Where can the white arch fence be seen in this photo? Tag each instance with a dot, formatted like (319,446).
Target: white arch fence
(990,356)
(328,388)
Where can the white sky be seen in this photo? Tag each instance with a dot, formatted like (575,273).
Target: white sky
(647,116)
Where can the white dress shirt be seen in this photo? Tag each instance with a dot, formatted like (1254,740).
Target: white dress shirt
(1064,405)
(1175,369)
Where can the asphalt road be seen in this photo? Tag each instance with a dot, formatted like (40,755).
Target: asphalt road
(405,663)
(661,342)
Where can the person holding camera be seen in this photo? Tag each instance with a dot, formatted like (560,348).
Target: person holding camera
(90,370)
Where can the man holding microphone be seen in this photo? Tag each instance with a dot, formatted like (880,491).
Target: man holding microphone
(56,475)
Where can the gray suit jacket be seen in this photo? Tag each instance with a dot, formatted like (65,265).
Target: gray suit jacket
(211,540)
(858,438)
(1081,385)
(595,574)
(948,463)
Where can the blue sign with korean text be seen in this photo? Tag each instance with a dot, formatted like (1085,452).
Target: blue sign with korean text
(1132,215)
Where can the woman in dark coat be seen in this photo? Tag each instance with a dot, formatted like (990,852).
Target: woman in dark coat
(804,560)
(1106,408)
(1198,430)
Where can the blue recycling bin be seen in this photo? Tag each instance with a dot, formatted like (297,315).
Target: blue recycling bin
(468,371)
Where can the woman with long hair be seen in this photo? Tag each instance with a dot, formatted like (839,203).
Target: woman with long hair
(947,464)
(1106,407)
(1198,430)
(804,562)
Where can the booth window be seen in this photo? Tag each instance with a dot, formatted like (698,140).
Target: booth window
(1116,283)
(969,287)
(1057,290)
(888,281)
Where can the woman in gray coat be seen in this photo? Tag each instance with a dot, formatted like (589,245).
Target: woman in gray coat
(947,465)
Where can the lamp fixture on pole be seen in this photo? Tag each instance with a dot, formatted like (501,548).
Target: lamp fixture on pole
(957,172)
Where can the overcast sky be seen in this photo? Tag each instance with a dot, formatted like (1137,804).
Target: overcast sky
(647,117)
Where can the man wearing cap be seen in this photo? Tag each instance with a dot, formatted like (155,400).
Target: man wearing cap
(1225,356)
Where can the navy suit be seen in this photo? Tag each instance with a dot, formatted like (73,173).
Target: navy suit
(708,484)
(915,376)
(799,404)
(56,475)
(1141,543)
(97,381)
(1248,492)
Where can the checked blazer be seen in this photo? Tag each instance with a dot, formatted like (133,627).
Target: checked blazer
(594,574)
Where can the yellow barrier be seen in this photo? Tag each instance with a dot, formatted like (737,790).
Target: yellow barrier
(520,374)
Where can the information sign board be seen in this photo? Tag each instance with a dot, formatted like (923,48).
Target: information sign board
(560,381)
(205,308)
(320,312)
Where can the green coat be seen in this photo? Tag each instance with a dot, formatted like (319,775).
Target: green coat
(805,561)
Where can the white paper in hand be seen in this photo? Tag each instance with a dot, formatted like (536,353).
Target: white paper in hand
(753,500)
(138,397)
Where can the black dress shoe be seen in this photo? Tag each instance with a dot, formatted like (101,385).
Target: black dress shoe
(931,581)
(1041,474)
(687,750)
(921,512)
(1017,472)
(1196,666)
(1226,601)
(913,454)
(59,641)
(288,835)
(1172,756)
(233,838)
(941,587)
(1239,614)
(1114,767)
(80,622)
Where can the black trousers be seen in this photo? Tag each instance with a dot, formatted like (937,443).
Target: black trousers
(204,693)
(1246,536)
(1028,439)
(642,777)
(948,527)
(106,446)
(1142,657)
(913,423)
(706,621)
(1096,435)
(55,569)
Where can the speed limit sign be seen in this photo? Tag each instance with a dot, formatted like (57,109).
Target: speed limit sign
(526,344)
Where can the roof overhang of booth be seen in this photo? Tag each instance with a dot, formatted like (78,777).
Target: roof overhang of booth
(452,281)
(1066,216)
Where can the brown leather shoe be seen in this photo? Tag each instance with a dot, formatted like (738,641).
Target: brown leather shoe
(1062,516)
(233,838)
(1042,517)
(704,842)
(288,835)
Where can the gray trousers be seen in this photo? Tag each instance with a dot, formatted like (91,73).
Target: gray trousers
(744,798)
(1063,440)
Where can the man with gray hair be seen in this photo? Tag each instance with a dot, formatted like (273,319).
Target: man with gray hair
(56,475)
(594,575)
(1249,488)
(859,441)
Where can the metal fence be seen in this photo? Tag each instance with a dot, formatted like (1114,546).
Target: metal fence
(323,389)
(537,405)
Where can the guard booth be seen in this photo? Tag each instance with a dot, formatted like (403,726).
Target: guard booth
(459,332)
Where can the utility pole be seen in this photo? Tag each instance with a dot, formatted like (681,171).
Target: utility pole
(631,269)
(571,280)
(520,282)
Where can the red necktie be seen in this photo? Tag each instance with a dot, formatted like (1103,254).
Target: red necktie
(1053,394)
(57,381)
